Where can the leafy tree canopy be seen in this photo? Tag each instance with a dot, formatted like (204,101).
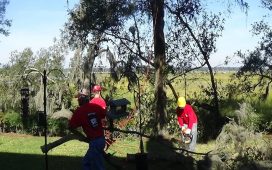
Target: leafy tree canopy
(97,16)
(4,23)
(267,4)
(258,62)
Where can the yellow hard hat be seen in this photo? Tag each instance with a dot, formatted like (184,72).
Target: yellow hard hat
(181,102)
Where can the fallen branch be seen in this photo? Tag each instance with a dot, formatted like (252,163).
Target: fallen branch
(80,137)
(129,132)
(75,135)
(62,140)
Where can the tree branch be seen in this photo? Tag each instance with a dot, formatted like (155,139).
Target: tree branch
(78,136)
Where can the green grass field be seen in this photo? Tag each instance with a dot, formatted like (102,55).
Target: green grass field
(22,152)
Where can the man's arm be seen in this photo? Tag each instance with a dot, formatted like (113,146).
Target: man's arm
(191,117)
(74,123)
(180,121)
(190,113)
(81,137)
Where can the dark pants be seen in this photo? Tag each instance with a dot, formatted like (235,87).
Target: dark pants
(93,159)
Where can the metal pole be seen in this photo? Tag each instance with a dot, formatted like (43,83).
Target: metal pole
(139,100)
(45,118)
(185,86)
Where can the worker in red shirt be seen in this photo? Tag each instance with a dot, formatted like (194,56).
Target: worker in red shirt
(97,98)
(187,121)
(89,116)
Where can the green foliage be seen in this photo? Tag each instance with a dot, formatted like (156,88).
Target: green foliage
(96,16)
(146,109)
(4,23)
(16,74)
(247,117)
(2,114)
(12,118)
(69,97)
(257,62)
(172,125)
(263,108)
(58,127)
(238,145)
(13,121)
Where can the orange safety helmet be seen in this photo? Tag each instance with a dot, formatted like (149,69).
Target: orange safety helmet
(96,88)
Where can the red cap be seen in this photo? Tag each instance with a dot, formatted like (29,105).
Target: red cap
(96,88)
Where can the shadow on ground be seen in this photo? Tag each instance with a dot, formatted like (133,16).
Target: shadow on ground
(15,161)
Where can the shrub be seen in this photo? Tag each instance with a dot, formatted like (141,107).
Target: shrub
(58,127)
(239,145)
(13,120)
(247,117)
(264,109)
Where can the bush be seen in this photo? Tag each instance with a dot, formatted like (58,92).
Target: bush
(264,109)
(58,127)
(13,121)
(247,117)
(239,145)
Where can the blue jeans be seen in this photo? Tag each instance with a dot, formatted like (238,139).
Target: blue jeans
(94,159)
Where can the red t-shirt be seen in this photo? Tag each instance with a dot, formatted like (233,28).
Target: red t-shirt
(89,117)
(186,116)
(99,101)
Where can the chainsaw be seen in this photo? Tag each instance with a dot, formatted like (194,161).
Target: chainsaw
(187,138)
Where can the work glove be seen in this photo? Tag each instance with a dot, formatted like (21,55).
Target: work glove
(187,131)
(183,128)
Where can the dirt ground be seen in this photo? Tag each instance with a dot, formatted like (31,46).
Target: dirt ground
(11,134)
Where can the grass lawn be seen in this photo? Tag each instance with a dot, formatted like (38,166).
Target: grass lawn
(22,152)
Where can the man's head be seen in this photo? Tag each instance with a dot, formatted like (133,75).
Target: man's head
(83,97)
(181,102)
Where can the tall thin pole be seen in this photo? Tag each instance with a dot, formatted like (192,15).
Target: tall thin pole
(139,100)
(185,86)
(45,118)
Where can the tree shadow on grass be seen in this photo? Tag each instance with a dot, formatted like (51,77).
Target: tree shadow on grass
(167,158)
(16,161)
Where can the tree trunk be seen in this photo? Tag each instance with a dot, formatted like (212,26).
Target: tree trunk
(172,89)
(88,67)
(160,63)
(214,87)
(92,52)
(217,119)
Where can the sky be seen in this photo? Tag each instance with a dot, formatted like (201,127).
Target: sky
(35,23)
